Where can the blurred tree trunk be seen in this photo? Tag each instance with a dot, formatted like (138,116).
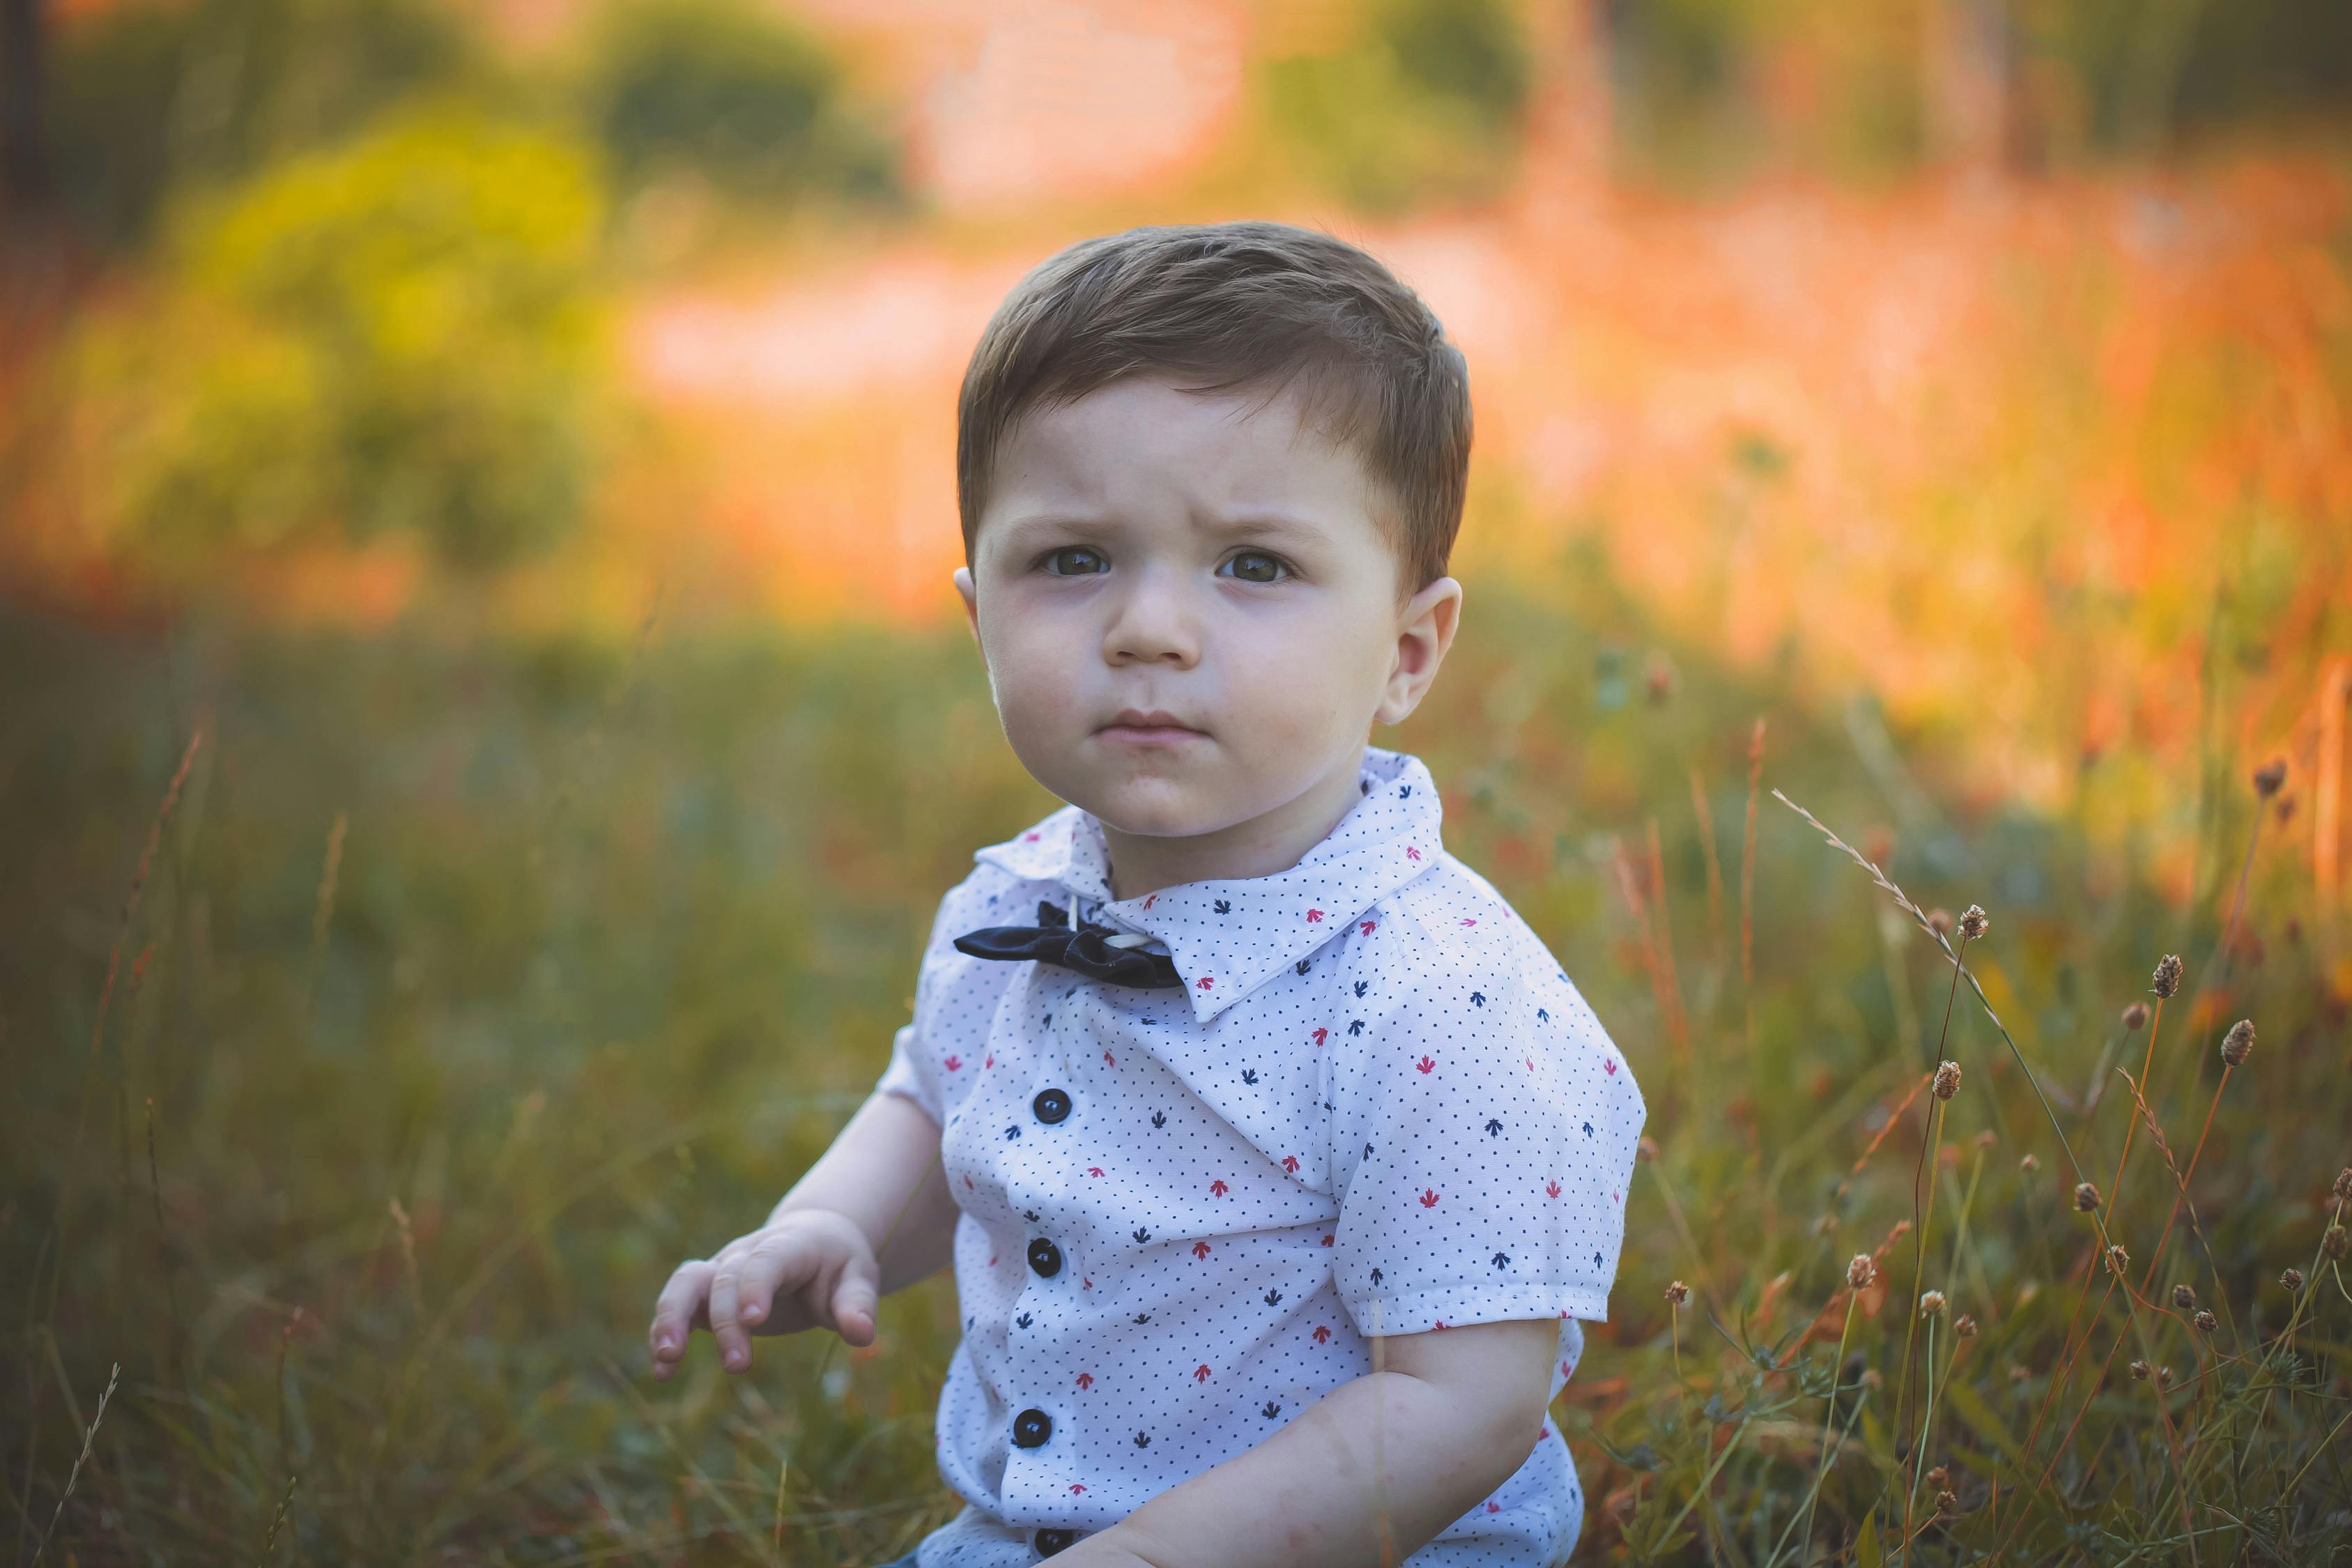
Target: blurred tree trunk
(1568,120)
(1965,66)
(23,171)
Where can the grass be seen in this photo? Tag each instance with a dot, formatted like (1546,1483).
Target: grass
(464,983)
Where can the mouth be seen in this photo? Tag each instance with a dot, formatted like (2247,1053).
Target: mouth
(1135,727)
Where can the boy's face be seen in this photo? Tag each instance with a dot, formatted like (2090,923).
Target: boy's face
(1189,610)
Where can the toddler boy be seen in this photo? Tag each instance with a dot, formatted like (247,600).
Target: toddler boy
(1277,1159)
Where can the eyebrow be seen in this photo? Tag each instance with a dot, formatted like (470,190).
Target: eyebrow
(1254,523)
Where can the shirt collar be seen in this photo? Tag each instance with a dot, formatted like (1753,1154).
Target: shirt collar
(1227,938)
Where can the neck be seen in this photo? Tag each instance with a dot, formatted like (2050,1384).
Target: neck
(1275,841)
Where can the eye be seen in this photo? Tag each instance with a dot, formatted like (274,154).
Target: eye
(1076,561)
(1256,566)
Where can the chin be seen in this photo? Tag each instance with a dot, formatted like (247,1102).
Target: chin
(1153,808)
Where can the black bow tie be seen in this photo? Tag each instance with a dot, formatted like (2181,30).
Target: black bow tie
(1085,949)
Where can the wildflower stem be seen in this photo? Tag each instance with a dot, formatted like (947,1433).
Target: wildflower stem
(1919,1274)
(1829,1414)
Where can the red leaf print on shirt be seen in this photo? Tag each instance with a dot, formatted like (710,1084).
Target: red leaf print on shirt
(1321,1333)
(1094,1170)
(991,1262)
(1428,1198)
(1218,1187)
(1367,927)
(1412,852)
(1200,1249)
(1610,1067)
(1320,1034)
(1200,1373)
(1290,1162)
(1151,901)
(1563,1369)
(1086,1283)
(1109,1060)
(953,1063)
(1531,1061)
(1437,1323)
(1086,1379)
(1551,1189)
(1494,1508)
(991,1061)
(1326,1239)
(1204,982)
(1029,838)
(1424,1064)
(1314,917)
(1077,1485)
(1467,922)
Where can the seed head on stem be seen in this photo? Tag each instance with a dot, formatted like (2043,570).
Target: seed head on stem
(2342,1191)
(1947,1081)
(1931,1303)
(1677,1292)
(2269,777)
(1860,1271)
(1974,922)
(2205,1321)
(2118,1259)
(2168,976)
(2239,1043)
(2291,1280)
(2086,1197)
(2332,1241)
(2183,1296)
(2135,1017)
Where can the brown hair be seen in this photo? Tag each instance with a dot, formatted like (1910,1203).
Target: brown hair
(1228,306)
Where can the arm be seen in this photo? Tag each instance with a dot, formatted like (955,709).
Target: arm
(1412,1446)
(883,1173)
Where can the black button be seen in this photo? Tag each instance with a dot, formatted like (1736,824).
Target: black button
(1044,1257)
(1050,1541)
(1051,1105)
(1031,1427)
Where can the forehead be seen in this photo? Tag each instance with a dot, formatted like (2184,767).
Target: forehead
(1147,445)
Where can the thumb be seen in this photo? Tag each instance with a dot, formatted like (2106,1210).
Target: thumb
(856,1294)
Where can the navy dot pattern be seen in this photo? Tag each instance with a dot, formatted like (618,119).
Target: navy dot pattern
(1377,1106)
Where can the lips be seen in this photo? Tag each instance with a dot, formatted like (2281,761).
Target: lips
(1154,727)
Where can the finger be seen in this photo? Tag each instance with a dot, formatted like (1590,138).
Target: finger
(726,1326)
(772,1265)
(856,1294)
(673,1314)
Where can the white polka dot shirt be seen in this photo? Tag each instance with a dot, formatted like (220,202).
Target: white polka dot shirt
(1375,1104)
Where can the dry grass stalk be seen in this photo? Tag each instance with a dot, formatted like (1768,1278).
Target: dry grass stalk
(89,1438)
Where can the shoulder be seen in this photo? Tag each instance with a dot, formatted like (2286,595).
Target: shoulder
(1449,924)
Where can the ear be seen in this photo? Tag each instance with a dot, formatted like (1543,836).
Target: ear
(971,604)
(1424,631)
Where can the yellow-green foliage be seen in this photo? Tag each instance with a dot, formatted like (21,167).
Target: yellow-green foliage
(399,335)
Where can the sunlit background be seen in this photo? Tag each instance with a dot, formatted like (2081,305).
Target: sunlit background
(483,721)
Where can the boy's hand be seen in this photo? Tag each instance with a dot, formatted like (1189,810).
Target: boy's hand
(806,1269)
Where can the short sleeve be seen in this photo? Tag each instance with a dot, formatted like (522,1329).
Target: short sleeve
(955,998)
(901,1076)
(1484,1135)
(914,1066)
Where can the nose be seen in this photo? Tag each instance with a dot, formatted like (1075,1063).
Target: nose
(1152,622)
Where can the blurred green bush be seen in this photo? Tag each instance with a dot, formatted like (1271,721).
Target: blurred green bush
(743,99)
(1425,101)
(398,335)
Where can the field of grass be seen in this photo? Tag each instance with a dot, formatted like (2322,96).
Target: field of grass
(386,1014)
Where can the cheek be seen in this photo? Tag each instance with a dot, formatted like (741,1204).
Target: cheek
(1030,671)
(1307,682)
